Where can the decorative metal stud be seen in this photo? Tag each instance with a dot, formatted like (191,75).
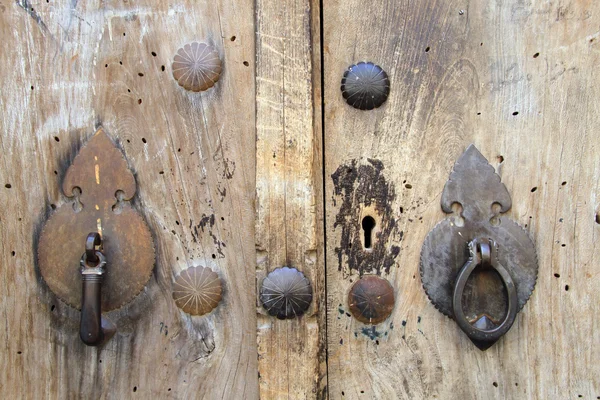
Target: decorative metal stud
(197,290)
(365,86)
(286,293)
(371,299)
(196,67)
(477,266)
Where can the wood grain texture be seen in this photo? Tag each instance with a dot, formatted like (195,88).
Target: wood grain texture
(67,68)
(518,80)
(289,215)
(233,176)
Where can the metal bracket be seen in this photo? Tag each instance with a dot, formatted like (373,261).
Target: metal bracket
(477,266)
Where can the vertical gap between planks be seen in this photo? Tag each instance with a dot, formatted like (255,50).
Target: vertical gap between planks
(324,183)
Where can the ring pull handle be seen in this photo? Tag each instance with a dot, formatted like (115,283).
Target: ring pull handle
(479,306)
(483,331)
(93,328)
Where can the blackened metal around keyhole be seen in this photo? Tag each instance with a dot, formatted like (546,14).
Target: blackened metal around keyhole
(368,224)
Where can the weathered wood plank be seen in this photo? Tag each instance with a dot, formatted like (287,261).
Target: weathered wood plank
(289,196)
(517,79)
(68,67)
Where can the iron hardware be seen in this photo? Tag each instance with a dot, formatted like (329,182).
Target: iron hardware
(100,185)
(371,299)
(286,293)
(365,86)
(477,266)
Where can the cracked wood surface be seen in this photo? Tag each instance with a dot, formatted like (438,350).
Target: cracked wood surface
(69,67)
(517,79)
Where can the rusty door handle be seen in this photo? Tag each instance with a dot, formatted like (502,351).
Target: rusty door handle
(482,289)
(484,329)
(118,255)
(93,328)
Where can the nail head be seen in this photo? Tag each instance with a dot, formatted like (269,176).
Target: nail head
(371,299)
(197,290)
(196,67)
(365,86)
(286,293)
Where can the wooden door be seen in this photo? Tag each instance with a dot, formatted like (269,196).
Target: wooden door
(244,178)
(68,68)
(517,79)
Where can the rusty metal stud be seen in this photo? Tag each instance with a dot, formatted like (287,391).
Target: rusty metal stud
(286,293)
(196,67)
(371,299)
(197,290)
(365,86)
(477,266)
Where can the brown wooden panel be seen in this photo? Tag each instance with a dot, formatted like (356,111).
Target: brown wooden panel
(289,220)
(518,80)
(68,67)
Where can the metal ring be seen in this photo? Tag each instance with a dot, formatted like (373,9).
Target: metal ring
(486,335)
(98,254)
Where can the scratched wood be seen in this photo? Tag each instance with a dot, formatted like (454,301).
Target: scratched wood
(289,216)
(67,68)
(517,79)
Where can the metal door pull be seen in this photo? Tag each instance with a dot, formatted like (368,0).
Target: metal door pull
(93,328)
(119,250)
(483,329)
(477,266)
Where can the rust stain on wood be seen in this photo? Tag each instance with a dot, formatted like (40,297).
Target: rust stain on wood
(357,186)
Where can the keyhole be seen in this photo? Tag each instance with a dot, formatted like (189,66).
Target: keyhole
(368,224)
